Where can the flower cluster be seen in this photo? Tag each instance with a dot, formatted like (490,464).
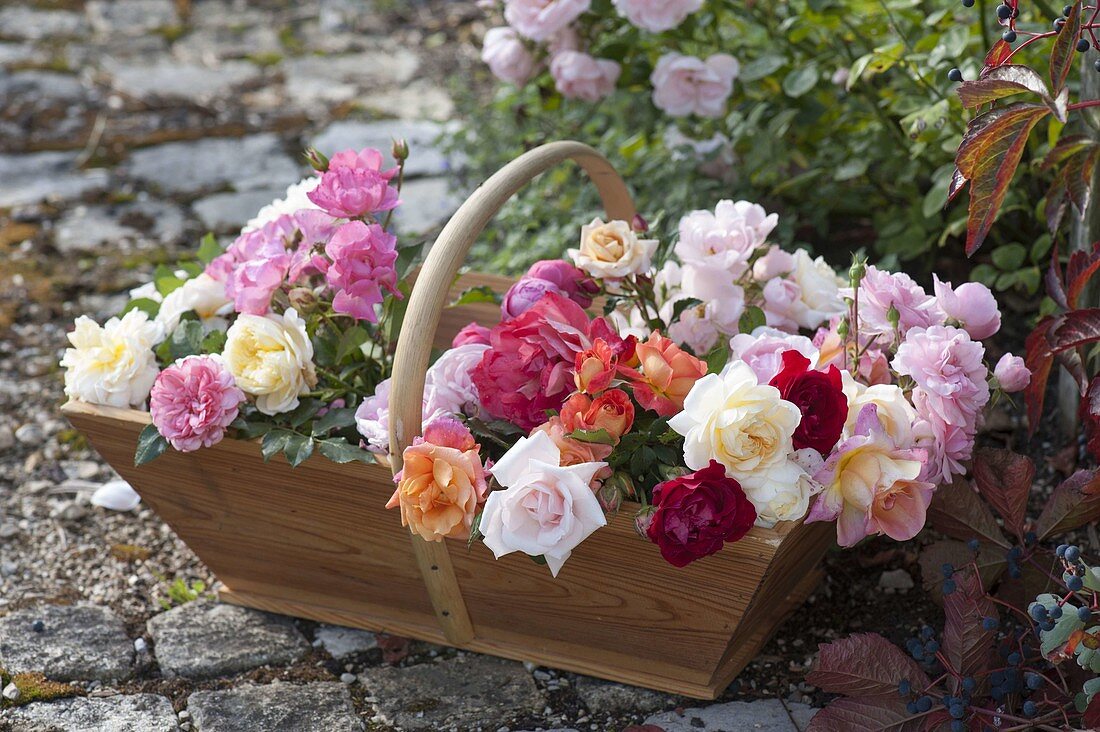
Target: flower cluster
(732,385)
(270,334)
(548,34)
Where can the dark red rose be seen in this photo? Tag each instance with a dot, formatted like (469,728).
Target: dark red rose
(697,513)
(819,396)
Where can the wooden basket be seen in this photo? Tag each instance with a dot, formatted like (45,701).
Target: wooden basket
(317,542)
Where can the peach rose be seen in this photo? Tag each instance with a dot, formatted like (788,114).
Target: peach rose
(666,375)
(595,367)
(574,452)
(442,483)
(611,411)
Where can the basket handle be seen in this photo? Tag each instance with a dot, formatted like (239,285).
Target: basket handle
(426,303)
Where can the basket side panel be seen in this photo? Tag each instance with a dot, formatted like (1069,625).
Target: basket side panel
(318,534)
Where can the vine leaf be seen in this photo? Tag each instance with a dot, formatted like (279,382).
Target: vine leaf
(988,157)
(1004,478)
(1005,81)
(865,664)
(1074,503)
(1062,53)
(1055,336)
(879,713)
(1072,184)
(967,645)
(150,446)
(997,55)
(959,512)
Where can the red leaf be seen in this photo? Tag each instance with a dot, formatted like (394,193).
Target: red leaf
(1039,358)
(988,157)
(1072,183)
(866,714)
(1001,82)
(1074,503)
(1081,267)
(1004,478)
(1067,147)
(865,664)
(998,54)
(1062,55)
(958,182)
(1089,415)
(1075,328)
(967,645)
(959,512)
(1055,286)
(990,560)
(1091,719)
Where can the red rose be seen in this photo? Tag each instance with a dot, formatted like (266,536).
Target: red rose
(697,513)
(819,396)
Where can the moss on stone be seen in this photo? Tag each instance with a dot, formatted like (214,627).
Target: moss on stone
(35,687)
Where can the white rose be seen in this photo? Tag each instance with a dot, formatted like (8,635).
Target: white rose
(820,286)
(295,199)
(546,509)
(780,493)
(204,295)
(724,299)
(613,250)
(271,357)
(113,364)
(895,412)
(731,418)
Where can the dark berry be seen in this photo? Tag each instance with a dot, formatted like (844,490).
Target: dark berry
(973,545)
(1014,570)
(1072,552)
(911,707)
(1075,583)
(1058,23)
(1046,625)
(948,586)
(957,725)
(1030,538)
(924,704)
(1096,64)
(1034,681)
(1084,614)
(1014,659)
(957,710)
(905,687)
(1015,552)
(997,678)
(990,623)
(955,75)
(948,570)
(1037,611)
(1060,551)
(968,3)
(1004,12)
(1067,10)
(1030,708)
(1009,36)
(1056,612)
(38,626)
(969,684)
(1083,45)
(927,633)
(931,647)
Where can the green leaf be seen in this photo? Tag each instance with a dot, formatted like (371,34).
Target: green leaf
(751,319)
(598,437)
(681,305)
(339,450)
(334,419)
(801,80)
(274,442)
(186,340)
(209,249)
(396,317)
(407,258)
(718,357)
(248,429)
(1009,257)
(305,411)
(350,342)
(150,445)
(758,68)
(214,342)
(166,285)
(475,530)
(147,305)
(481,293)
(298,449)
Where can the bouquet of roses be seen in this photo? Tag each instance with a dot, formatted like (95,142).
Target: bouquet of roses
(733,385)
(279,335)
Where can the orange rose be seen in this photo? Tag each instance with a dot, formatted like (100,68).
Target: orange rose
(575,452)
(612,411)
(666,375)
(442,482)
(595,367)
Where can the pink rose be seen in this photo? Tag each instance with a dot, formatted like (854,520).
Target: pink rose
(948,370)
(539,20)
(471,333)
(763,350)
(656,16)
(573,282)
(950,446)
(725,238)
(362,264)
(684,85)
(775,263)
(366,159)
(193,401)
(782,298)
(879,290)
(1011,373)
(507,57)
(448,386)
(523,295)
(372,418)
(580,76)
(972,305)
(355,185)
(255,265)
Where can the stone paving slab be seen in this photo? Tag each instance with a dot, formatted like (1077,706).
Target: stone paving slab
(466,692)
(131,713)
(426,203)
(245,163)
(228,212)
(276,707)
(424,157)
(19,21)
(204,638)
(605,697)
(342,642)
(66,643)
(131,17)
(189,82)
(765,715)
(43,176)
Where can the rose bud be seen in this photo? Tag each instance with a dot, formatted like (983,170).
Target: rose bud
(1011,373)
(639,224)
(643,519)
(400,150)
(316,159)
(302,299)
(595,367)
(610,497)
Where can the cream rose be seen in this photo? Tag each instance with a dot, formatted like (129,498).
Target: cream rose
(895,413)
(780,493)
(271,357)
(204,295)
(113,364)
(546,509)
(731,418)
(613,250)
(820,291)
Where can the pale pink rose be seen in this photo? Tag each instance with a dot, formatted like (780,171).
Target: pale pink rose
(1011,373)
(694,330)
(947,367)
(684,85)
(507,57)
(580,76)
(540,20)
(782,300)
(566,39)
(723,298)
(193,401)
(971,305)
(657,16)
(256,264)
(950,446)
(763,350)
(448,386)
(879,290)
(775,263)
(725,238)
(372,418)
(547,509)
(471,333)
